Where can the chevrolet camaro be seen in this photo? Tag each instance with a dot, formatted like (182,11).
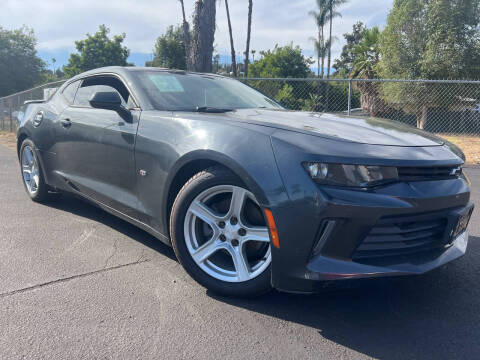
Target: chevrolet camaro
(250,196)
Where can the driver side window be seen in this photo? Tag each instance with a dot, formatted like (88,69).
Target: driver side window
(95,84)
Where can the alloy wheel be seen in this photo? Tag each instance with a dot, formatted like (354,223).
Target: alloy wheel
(226,234)
(30,170)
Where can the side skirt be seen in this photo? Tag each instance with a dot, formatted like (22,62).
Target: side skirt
(135,222)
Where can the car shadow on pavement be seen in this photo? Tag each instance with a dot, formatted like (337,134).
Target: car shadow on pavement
(435,315)
(83,208)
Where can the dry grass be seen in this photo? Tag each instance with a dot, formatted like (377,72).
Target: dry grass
(470,145)
(8,139)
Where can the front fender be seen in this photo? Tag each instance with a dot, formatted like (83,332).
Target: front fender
(166,144)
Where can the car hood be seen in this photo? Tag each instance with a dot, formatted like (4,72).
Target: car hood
(364,130)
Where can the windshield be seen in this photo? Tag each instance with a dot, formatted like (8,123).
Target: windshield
(189,92)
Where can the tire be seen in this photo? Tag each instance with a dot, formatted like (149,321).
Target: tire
(35,186)
(203,218)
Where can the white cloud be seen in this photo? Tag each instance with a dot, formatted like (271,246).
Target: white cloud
(58,24)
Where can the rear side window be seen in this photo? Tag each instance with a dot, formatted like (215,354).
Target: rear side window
(101,84)
(69,92)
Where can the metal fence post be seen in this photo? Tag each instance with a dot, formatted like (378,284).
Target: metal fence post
(11,122)
(350,97)
(3,113)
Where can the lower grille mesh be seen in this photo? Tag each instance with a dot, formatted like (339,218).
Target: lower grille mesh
(403,235)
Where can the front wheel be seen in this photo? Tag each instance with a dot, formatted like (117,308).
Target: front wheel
(219,235)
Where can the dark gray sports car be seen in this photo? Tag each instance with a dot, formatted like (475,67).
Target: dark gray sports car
(251,196)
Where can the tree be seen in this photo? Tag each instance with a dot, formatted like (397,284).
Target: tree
(53,64)
(201,46)
(320,45)
(186,37)
(249,32)
(20,67)
(344,64)
(170,50)
(365,58)
(332,13)
(96,51)
(321,50)
(232,46)
(428,39)
(365,55)
(283,62)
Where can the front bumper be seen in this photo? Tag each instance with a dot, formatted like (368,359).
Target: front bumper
(296,267)
(323,268)
(362,217)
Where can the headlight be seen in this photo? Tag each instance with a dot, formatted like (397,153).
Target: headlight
(351,175)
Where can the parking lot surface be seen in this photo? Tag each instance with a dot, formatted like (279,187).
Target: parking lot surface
(76,282)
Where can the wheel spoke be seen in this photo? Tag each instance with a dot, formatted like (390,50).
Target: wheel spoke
(206,250)
(202,211)
(29,154)
(238,199)
(239,261)
(35,180)
(257,234)
(32,183)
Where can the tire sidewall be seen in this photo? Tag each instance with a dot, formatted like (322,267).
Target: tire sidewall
(199,183)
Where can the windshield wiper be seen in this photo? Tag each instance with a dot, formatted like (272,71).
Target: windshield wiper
(208,109)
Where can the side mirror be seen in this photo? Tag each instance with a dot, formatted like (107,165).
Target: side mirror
(106,100)
(110,101)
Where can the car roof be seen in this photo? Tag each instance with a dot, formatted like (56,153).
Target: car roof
(127,69)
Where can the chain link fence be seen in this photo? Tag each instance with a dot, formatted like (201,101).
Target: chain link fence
(11,105)
(446,107)
(442,107)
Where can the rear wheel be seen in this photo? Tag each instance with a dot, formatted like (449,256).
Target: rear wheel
(32,174)
(220,236)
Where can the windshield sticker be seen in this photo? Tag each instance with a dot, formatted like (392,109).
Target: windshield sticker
(166,83)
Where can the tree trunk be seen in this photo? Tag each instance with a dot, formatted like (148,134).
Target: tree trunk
(323,54)
(249,31)
(422,117)
(330,43)
(203,35)
(232,47)
(186,38)
(319,51)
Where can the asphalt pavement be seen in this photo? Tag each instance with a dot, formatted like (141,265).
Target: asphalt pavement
(76,282)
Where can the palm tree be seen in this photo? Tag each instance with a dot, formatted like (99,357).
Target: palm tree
(321,49)
(253,54)
(249,31)
(232,47)
(332,6)
(320,17)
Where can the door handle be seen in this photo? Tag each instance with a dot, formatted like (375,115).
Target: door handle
(66,123)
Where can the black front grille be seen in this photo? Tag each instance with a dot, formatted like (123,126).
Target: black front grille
(394,236)
(428,173)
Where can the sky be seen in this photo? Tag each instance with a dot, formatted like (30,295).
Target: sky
(58,23)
